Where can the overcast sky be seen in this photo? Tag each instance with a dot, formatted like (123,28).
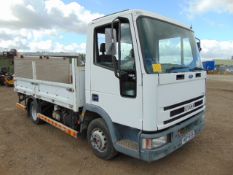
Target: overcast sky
(60,26)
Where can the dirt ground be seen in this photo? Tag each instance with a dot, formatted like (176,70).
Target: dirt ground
(226,78)
(27,149)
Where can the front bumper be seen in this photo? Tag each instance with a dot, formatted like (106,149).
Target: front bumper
(196,123)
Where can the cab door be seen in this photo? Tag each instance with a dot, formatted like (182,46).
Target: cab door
(119,96)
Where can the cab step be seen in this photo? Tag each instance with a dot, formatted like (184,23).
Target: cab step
(128,144)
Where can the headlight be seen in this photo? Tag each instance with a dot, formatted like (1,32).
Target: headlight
(154,143)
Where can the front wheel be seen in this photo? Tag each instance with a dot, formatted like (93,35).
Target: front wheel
(99,139)
(33,111)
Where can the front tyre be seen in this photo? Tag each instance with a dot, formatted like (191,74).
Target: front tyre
(33,111)
(99,139)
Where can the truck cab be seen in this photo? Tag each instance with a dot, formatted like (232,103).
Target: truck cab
(144,72)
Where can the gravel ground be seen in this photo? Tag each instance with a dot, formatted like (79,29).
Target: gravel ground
(27,149)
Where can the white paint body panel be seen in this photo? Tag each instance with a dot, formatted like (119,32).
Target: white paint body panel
(172,91)
(162,90)
(70,96)
(122,110)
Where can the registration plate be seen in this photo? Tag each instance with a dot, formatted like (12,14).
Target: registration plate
(189,136)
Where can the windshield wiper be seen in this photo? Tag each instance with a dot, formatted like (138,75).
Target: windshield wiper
(196,68)
(176,68)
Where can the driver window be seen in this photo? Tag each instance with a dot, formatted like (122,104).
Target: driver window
(124,56)
(102,57)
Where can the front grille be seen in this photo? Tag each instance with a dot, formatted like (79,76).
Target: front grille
(182,115)
(182,109)
(182,103)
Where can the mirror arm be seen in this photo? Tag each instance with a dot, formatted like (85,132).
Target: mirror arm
(117,74)
(119,46)
(199,44)
(114,62)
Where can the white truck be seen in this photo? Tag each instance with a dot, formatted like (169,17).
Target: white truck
(141,91)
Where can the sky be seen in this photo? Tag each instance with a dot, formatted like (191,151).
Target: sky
(60,26)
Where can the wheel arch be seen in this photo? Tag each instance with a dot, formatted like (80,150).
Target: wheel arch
(98,112)
(31,99)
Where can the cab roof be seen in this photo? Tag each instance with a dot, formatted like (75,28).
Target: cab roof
(139,13)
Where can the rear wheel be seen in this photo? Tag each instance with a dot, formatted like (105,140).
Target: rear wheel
(33,111)
(99,139)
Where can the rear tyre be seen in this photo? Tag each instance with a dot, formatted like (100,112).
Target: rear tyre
(33,111)
(99,139)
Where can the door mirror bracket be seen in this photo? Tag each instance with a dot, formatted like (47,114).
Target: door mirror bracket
(115,62)
(199,44)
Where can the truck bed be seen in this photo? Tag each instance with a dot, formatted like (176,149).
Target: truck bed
(57,80)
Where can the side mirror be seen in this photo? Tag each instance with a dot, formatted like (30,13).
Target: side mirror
(199,44)
(110,40)
(111,44)
(110,47)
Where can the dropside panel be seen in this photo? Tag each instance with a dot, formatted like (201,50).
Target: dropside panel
(57,93)
(56,80)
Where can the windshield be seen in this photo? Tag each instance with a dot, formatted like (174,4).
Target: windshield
(171,47)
